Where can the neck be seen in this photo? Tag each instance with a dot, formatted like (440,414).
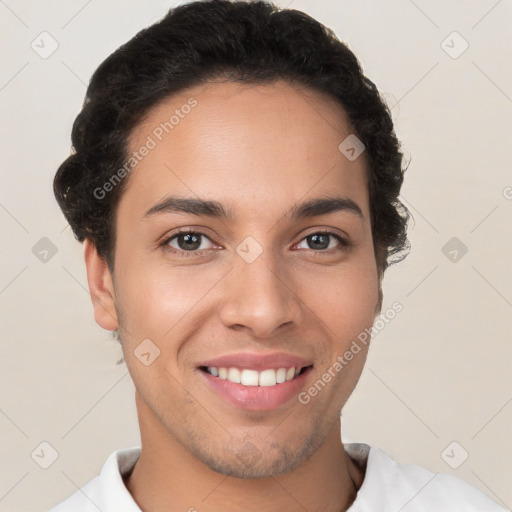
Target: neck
(167,476)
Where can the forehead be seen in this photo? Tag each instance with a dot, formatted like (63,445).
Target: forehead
(248,146)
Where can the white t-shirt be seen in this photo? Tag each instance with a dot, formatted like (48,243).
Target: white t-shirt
(387,487)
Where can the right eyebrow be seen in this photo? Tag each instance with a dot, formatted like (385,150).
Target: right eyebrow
(195,206)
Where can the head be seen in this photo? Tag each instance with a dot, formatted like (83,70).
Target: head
(231,121)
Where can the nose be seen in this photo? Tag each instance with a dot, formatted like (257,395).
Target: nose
(260,297)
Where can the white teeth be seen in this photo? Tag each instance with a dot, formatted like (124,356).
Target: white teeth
(267,378)
(234,375)
(246,377)
(249,378)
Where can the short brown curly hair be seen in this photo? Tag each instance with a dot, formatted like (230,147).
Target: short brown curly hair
(250,42)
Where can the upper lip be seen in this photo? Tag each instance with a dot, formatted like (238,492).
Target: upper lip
(259,362)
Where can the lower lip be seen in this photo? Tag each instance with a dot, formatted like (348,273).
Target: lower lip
(256,398)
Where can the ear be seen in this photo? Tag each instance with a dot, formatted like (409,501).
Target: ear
(100,287)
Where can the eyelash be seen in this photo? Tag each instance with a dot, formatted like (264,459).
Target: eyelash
(165,243)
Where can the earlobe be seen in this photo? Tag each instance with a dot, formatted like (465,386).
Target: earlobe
(100,287)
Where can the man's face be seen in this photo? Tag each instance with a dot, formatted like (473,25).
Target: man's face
(258,283)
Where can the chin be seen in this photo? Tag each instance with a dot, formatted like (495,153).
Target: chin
(249,462)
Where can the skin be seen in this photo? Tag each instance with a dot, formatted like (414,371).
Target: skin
(258,150)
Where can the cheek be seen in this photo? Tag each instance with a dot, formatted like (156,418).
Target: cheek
(154,300)
(345,302)
(344,298)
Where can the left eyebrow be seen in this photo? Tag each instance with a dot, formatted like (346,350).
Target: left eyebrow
(324,206)
(195,206)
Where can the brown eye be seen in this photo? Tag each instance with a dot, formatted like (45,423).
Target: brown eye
(188,241)
(321,241)
(318,241)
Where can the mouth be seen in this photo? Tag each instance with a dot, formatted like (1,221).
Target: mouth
(255,382)
(252,378)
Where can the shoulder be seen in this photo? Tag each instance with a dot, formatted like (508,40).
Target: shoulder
(105,491)
(390,486)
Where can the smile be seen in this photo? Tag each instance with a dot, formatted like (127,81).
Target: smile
(248,377)
(256,381)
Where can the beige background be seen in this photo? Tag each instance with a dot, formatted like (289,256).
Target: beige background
(438,373)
